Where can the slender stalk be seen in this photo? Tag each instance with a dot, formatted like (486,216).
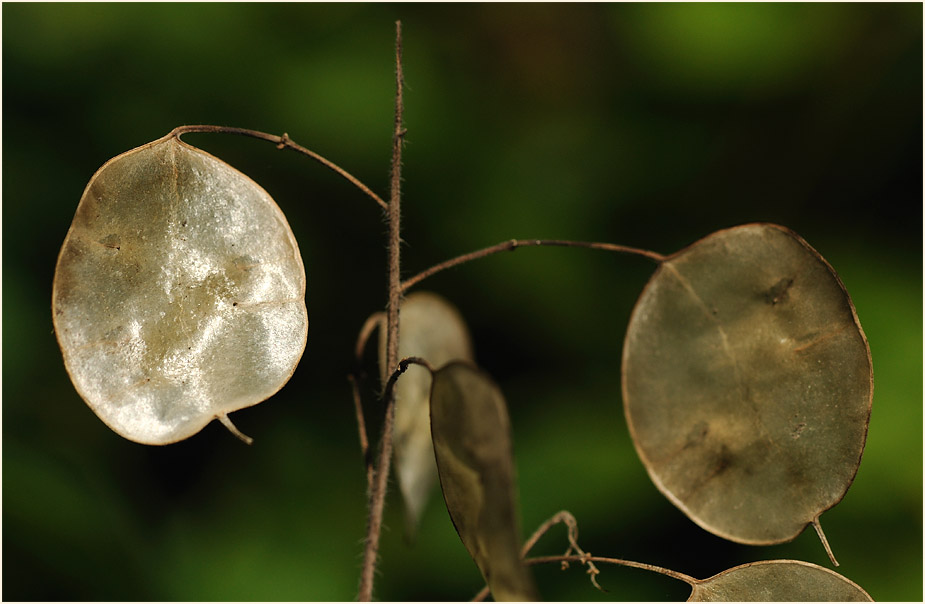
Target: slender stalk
(281,142)
(403,367)
(568,519)
(354,380)
(642,565)
(586,559)
(372,323)
(226,421)
(513,244)
(825,542)
(565,517)
(381,473)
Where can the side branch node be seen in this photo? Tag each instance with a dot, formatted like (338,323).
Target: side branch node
(566,517)
(281,142)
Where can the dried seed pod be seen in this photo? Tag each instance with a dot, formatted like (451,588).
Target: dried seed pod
(430,328)
(475,459)
(747,383)
(778,581)
(179,293)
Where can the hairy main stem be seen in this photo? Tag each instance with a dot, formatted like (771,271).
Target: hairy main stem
(381,473)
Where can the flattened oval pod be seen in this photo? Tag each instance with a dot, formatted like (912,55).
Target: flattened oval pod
(179,293)
(475,461)
(430,328)
(778,581)
(747,383)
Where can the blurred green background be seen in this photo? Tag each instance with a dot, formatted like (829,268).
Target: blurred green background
(648,125)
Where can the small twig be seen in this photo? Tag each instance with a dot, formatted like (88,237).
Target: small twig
(361,429)
(568,519)
(586,559)
(281,142)
(355,378)
(513,244)
(403,367)
(642,565)
(369,326)
(565,517)
(480,597)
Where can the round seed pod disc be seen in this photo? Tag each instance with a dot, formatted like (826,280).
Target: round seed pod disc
(179,293)
(778,581)
(747,383)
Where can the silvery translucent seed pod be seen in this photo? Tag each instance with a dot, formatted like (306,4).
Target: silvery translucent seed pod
(430,328)
(179,293)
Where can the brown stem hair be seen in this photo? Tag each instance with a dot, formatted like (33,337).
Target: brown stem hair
(381,472)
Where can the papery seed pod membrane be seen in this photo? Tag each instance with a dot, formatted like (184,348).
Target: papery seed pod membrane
(475,460)
(433,329)
(747,383)
(179,293)
(778,581)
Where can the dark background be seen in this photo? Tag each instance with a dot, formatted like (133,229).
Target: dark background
(646,125)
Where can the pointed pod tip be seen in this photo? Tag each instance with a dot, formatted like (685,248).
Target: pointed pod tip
(825,542)
(226,421)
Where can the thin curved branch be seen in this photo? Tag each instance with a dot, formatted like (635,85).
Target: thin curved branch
(354,380)
(281,142)
(373,322)
(642,565)
(369,326)
(403,365)
(513,244)
(564,517)
(587,559)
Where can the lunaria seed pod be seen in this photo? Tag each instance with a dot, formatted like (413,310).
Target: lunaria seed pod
(179,293)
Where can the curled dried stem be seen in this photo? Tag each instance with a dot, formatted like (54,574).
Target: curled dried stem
(513,244)
(355,378)
(369,326)
(403,365)
(642,565)
(361,429)
(568,519)
(586,559)
(564,517)
(281,142)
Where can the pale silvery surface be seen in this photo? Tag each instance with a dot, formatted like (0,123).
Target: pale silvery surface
(179,293)
(747,383)
(430,328)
